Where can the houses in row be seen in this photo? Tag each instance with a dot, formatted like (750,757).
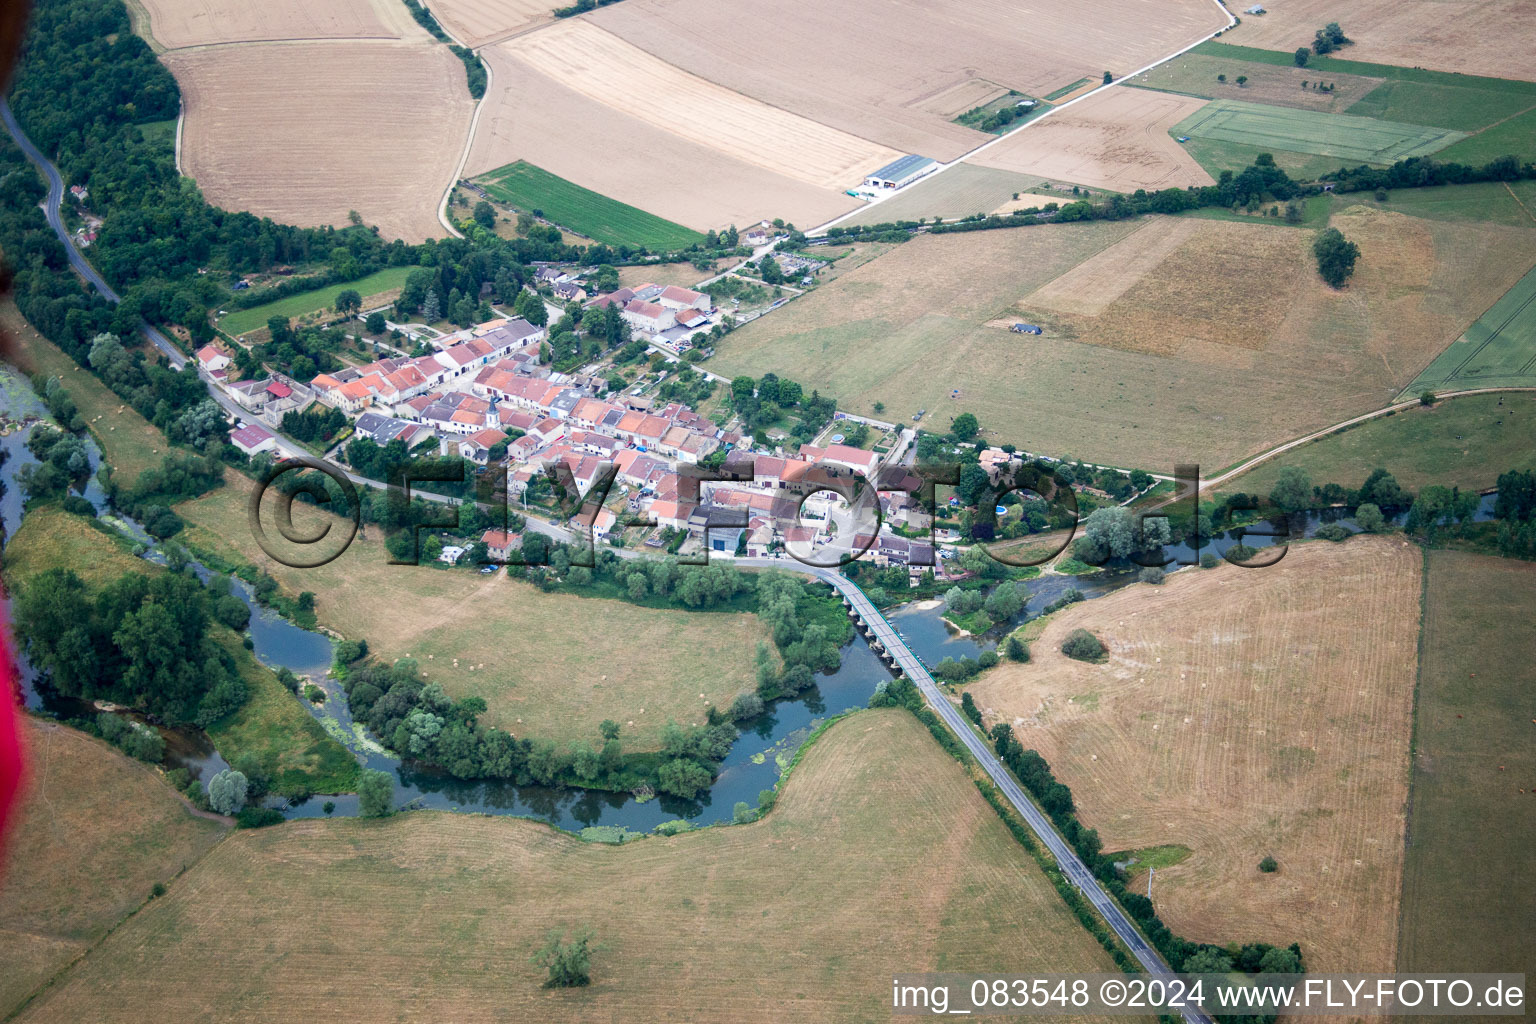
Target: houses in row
(669,313)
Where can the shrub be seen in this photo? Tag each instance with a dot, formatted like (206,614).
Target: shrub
(314,693)
(1016,649)
(1209,560)
(569,961)
(258,817)
(1370,518)
(1268,866)
(968,705)
(1083,646)
(1152,574)
(375,794)
(1333,532)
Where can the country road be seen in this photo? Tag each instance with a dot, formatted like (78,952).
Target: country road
(56,221)
(1071,865)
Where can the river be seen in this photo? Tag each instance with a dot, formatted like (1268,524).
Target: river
(754,763)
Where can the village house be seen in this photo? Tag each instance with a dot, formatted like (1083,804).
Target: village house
(477,446)
(210,359)
(499,544)
(674,297)
(649,316)
(253,438)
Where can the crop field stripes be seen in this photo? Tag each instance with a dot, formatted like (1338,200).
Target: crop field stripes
(1363,139)
(1503,344)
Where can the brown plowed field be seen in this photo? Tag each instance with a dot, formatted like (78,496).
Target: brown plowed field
(305,132)
(873,67)
(879,857)
(1245,713)
(95,832)
(682,175)
(1117,139)
(1491,37)
(179,23)
(477,22)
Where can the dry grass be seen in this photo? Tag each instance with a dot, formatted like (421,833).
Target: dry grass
(179,23)
(1245,713)
(1467,904)
(130,443)
(477,22)
(893,73)
(291,131)
(550,666)
(880,857)
(602,144)
(50,538)
(1195,74)
(959,192)
(685,274)
(1489,38)
(94,832)
(1117,139)
(1229,345)
(606,69)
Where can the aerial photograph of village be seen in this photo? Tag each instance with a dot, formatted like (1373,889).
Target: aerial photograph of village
(767,510)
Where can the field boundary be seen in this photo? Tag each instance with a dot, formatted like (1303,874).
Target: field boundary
(821,229)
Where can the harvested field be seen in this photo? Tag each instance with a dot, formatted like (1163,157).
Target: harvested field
(1194,74)
(1459,442)
(795,54)
(551,666)
(1193,362)
(958,192)
(1465,904)
(677,175)
(1241,715)
(477,22)
(606,69)
(1353,139)
(325,102)
(1117,139)
(95,831)
(178,23)
(1091,286)
(1489,38)
(685,274)
(879,855)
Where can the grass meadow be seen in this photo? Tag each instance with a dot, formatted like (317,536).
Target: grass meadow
(1461,442)
(130,443)
(878,855)
(1467,901)
(376,286)
(526,187)
(1343,137)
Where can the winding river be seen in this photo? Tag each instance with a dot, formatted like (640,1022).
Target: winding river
(754,763)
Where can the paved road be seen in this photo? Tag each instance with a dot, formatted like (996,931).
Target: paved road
(1071,865)
(56,221)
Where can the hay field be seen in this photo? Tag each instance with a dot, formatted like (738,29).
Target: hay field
(478,22)
(959,192)
(1245,713)
(897,83)
(550,666)
(603,146)
(606,69)
(95,830)
(879,856)
(1092,285)
(1194,74)
(1117,139)
(305,132)
(1467,903)
(1229,345)
(178,23)
(1488,38)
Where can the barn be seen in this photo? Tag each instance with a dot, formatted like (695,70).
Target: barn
(902,171)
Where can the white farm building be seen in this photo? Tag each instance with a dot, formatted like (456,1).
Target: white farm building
(901,171)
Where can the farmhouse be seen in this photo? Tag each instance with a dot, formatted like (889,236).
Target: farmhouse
(902,171)
(210,359)
(649,316)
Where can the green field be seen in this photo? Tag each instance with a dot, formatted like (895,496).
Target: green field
(1341,136)
(1493,202)
(1460,442)
(1499,350)
(1217,155)
(1464,108)
(1064,90)
(242,320)
(1467,899)
(1515,137)
(527,187)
